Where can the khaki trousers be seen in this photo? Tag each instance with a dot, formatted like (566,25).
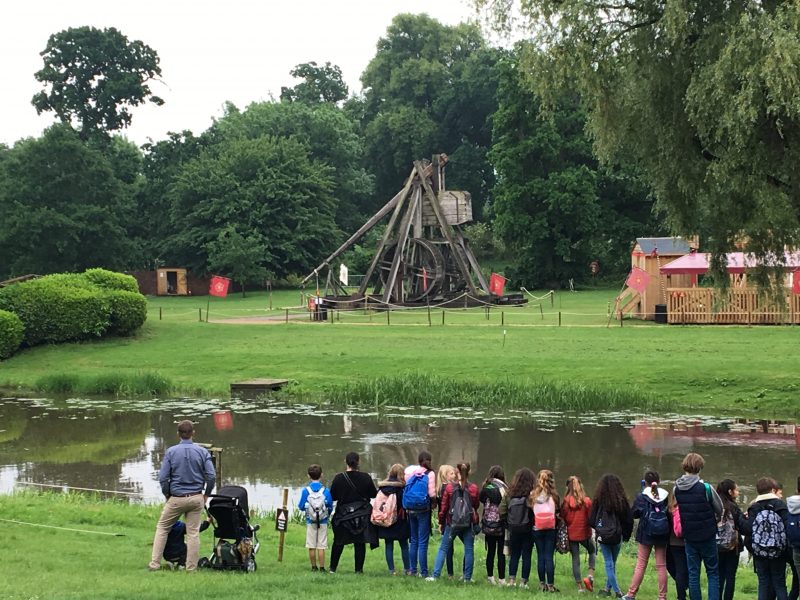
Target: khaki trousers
(192,507)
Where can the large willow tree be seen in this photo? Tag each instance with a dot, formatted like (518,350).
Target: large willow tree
(700,95)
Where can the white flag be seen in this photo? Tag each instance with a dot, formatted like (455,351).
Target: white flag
(343,274)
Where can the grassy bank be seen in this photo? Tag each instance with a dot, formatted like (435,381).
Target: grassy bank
(744,370)
(54,563)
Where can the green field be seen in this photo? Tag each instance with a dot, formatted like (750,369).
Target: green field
(46,563)
(746,370)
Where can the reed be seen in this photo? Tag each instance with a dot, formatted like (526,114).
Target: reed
(421,389)
(143,383)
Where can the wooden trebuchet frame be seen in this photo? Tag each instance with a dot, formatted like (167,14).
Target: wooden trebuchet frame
(422,255)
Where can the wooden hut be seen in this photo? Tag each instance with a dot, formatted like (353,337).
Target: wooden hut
(650,255)
(171,282)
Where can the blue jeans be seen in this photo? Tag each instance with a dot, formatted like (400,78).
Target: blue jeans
(771,578)
(545,541)
(521,547)
(610,553)
(705,552)
(420,523)
(468,538)
(389,548)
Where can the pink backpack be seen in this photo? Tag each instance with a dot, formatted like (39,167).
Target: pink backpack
(384,510)
(544,515)
(676,522)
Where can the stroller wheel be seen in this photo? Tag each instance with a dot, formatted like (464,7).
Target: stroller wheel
(204,563)
(250,565)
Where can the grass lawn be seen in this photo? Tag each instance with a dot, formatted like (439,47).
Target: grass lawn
(52,563)
(746,370)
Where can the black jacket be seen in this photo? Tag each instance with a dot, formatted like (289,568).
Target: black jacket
(624,518)
(773,503)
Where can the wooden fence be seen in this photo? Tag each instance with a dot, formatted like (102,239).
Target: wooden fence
(737,307)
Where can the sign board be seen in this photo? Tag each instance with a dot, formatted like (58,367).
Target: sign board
(343,274)
(281,520)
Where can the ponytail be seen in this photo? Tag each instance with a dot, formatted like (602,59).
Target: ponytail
(463,472)
(425,459)
(652,479)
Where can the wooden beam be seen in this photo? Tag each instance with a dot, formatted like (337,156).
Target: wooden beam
(472,260)
(403,194)
(445,228)
(405,226)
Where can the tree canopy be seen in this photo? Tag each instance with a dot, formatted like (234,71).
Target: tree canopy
(92,77)
(700,96)
(320,84)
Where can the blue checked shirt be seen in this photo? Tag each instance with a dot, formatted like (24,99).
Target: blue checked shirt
(187,469)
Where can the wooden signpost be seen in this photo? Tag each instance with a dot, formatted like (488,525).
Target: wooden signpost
(282,522)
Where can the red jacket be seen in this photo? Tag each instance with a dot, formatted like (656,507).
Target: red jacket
(444,505)
(577,518)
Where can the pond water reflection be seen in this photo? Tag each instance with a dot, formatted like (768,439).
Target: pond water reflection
(118,445)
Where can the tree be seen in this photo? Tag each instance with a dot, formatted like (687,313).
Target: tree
(267,189)
(700,96)
(555,208)
(320,84)
(92,77)
(64,208)
(240,257)
(430,88)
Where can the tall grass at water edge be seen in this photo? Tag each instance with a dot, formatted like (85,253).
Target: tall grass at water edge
(144,383)
(419,389)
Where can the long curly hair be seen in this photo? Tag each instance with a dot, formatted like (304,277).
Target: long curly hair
(610,496)
(545,485)
(522,484)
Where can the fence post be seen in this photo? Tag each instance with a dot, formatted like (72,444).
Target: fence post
(388,313)
(287,316)
(159,313)
(200,314)
(429,316)
(443,311)
(559,318)
(620,318)
(541,310)
(552,298)
(502,317)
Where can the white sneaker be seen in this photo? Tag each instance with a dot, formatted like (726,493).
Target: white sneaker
(501,582)
(492,580)
(430,579)
(523,586)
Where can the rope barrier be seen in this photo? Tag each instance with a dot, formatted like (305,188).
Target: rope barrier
(82,489)
(62,528)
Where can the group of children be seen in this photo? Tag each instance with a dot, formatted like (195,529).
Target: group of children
(695,524)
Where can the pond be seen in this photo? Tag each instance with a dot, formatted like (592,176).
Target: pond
(118,445)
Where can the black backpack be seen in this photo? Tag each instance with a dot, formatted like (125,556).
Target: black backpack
(608,529)
(519,515)
(460,510)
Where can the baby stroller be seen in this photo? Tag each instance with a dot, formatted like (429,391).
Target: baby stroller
(235,540)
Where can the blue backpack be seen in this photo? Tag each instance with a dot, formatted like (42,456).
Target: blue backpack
(793,530)
(655,521)
(415,492)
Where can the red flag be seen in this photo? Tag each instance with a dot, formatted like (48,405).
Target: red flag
(638,279)
(796,282)
(497,284)
(219,286)
(424,280)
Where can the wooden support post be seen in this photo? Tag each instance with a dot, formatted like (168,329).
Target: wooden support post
(282,537)
(200,314)
(559,318)
(620,318)
(388,313)
(552,298)
(502,318)
(429,316)
(159,313)
(443,311)
(287,316)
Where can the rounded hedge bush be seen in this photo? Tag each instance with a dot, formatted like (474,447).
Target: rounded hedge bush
(11,333)
(111,280)
(53,311)
(128,311)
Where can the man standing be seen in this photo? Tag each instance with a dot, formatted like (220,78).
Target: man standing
(187,477)
(700,508)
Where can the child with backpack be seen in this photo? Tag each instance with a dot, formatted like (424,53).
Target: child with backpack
(612,520)
(492,493)
(419,494)
(575,510)
(729,529)
(317,503)
(446,474)
(459,513)
(546,505)
(700,509)
(517,515)
(676,553)
(390,519)
(651,508)
(767,520)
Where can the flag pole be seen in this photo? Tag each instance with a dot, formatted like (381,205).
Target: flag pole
(611,314)
(208,303)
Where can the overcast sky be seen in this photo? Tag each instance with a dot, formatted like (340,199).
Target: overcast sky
(211,52)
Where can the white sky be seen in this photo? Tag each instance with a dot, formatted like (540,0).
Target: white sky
(210,51)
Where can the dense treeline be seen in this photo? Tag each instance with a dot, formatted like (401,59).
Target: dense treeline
(269,189)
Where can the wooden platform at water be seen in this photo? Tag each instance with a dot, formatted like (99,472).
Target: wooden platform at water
(252,387)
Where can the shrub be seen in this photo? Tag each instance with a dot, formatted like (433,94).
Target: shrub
(53,310)
(11,333)
(111,280)
(128,311)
